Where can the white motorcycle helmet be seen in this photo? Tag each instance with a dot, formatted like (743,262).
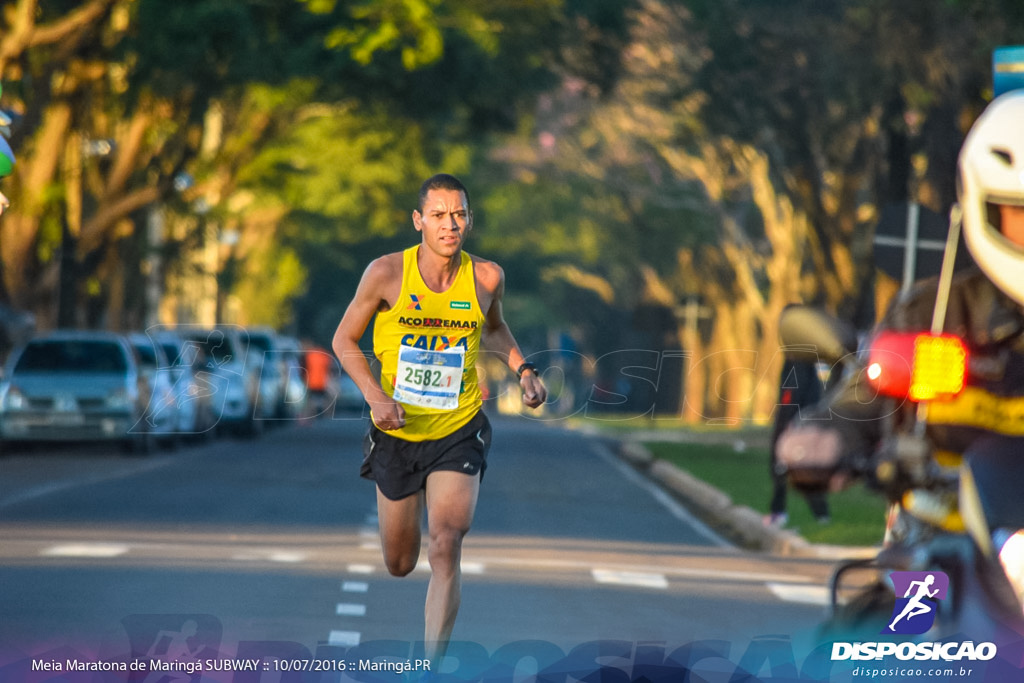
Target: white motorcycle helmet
(992,174)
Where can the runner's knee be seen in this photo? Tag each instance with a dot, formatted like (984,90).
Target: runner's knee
(400,564)
(445,547)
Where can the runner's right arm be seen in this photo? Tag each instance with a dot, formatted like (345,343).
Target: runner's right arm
(373,294)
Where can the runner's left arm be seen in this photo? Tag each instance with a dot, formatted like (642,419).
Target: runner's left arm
(497,337)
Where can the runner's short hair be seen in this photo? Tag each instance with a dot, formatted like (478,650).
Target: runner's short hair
(442,181)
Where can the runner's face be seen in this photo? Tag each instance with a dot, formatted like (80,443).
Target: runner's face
(444,221)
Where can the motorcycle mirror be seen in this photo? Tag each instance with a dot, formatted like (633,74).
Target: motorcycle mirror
(810,334)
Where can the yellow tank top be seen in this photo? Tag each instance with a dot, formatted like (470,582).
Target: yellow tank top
(427,344)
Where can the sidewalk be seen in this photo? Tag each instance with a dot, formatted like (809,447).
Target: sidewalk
(738,522)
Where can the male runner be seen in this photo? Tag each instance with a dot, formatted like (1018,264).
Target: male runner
(427,443)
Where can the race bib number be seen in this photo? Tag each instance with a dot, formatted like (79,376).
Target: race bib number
(430,379)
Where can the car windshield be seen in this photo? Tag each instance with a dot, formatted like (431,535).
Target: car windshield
(261,342)
(72,356)
(171,351)
(147,355)
(216,348)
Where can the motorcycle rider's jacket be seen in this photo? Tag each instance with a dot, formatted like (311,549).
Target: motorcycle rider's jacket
(992,328)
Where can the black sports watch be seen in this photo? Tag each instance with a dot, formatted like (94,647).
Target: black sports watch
(524,367)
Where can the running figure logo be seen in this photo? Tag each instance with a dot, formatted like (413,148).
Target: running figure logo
(914,613)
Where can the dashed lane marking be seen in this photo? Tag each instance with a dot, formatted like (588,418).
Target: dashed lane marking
(86,550)
(282,556)
(805,594)
(344,638)
(620,578)
(355,587)
(707,573)
(350,609)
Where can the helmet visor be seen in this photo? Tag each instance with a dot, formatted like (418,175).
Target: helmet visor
(1006,219)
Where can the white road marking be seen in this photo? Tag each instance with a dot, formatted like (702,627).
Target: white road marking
(286,556)
(370,534)
(474,563)
(344,638)
(708,574)
(806,594)
(269,555)
(350,609)
(674,508)
(468,567)
(61,486)
(620,578)
(355,587)
(86,550)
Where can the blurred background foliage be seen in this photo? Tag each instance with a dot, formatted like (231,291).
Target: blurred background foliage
(662,175)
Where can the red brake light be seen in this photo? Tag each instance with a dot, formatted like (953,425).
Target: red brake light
(921,367)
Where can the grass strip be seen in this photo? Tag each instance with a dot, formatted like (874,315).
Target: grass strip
(857,514)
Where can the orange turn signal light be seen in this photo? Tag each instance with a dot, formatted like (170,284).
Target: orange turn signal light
(921,367)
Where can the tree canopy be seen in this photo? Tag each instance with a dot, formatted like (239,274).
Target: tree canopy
(630,164)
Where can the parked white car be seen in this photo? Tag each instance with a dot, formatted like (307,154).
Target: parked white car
(76,386)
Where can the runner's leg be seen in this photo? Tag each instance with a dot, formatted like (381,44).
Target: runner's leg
(451,502)
(399,522)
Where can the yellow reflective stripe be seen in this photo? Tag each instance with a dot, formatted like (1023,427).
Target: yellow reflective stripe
(948,459)
(980,409)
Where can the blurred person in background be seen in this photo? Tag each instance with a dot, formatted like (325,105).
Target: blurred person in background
(799,387)
(317,362)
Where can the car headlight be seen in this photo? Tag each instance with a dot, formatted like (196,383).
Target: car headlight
(119,399)
(14,400)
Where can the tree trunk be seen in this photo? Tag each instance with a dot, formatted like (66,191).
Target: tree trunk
(20,227)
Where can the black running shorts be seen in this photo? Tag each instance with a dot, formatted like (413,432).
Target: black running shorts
(400,467)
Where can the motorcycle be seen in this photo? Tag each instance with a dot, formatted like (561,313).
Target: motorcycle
(958,511)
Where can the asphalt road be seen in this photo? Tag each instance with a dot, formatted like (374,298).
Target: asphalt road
(267,550)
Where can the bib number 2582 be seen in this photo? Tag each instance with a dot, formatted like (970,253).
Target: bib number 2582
(430,379)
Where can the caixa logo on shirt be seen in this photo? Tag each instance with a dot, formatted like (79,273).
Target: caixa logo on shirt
(917,596)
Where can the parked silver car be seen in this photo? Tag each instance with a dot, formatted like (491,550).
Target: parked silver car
(295,400)
(194,401)
(266,352)
(230,375)
(161,415)
(75,386)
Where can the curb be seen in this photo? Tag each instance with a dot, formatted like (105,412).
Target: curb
(740,523)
